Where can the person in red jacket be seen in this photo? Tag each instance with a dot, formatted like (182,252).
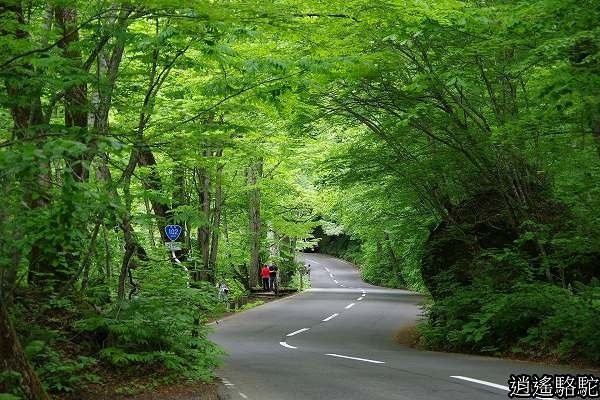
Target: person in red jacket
(264,274)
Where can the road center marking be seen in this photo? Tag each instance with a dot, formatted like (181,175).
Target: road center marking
(284,344)
(350,305)
(332,316)
(298,331)
(494,385)
(356,358)
(242,395)
(491,384)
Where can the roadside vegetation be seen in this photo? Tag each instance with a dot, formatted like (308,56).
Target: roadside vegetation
(464,162)
(451,147)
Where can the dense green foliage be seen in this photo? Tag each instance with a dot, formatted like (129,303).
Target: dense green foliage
(116,120)
(452,146)
(478,168)
(530,320)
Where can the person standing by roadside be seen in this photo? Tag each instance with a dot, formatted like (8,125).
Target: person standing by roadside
(223,292)
(272,277)
(264,273)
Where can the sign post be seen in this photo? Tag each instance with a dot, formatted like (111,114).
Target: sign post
(173,232)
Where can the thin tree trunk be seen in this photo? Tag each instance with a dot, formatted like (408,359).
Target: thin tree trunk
(107,269)
(254,173)
(131,245)
(108,70)
(130,242)
(396,268)
(153,182)
(151,224)
(129,251)
(204,199)
(85,264)
(180,199)
(214,243)
(8,270)
(596,135)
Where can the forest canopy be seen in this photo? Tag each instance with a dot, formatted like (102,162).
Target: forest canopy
(449,147)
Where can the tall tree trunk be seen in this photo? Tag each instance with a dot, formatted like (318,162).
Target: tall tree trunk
(24,103)
(153,182)
(216,223)
(596,135)
(131,245)
(396,267)
(254,172)
(107,269)
(75,97)
(91,250)
(151,225)
(204,199)
(76,119)
(9,266)
(12,358)
(108,70)
(180,199)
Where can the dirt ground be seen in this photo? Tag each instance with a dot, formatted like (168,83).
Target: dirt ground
(192,391)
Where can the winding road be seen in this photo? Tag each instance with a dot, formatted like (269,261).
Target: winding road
(337,341)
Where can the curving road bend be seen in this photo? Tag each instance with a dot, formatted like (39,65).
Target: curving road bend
(336,341)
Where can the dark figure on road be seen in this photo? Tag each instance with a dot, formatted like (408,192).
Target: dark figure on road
(272,277)
(264,273)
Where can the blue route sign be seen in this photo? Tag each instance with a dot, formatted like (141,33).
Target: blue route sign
(173,232)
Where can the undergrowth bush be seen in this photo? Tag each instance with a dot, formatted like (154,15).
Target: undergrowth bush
(57,354)
(159,328)
(535,320)
(58,373)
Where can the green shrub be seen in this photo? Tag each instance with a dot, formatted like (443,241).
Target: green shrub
(538,320)
(58,373)
(571,332)
(161,328)
(10,381)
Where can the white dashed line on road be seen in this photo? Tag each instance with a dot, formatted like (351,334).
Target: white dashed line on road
(284,344)
(490,384)
(494,385)
(298,331)
(350,305)
(356,358)
(242,395)
(332,316)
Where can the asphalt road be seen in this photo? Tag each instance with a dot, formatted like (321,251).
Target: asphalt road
(337,341)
